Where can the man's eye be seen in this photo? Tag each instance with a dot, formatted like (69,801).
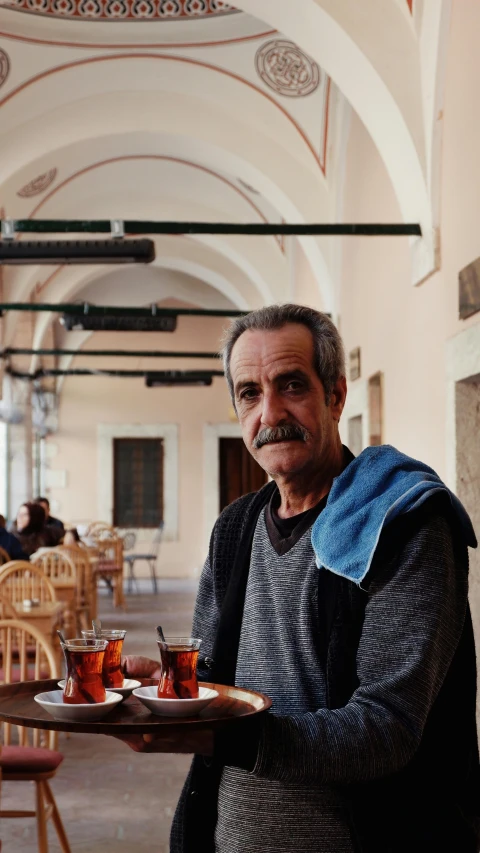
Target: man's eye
(294,385)
(248,394)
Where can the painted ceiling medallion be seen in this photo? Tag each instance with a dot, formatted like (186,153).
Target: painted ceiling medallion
(286,69)
(126,10)
(38,185)
(4,66)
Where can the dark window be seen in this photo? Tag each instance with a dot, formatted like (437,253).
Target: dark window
(137,482)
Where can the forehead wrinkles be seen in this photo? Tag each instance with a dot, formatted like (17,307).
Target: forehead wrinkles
(268,363)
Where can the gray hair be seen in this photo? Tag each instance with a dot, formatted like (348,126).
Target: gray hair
(328,351)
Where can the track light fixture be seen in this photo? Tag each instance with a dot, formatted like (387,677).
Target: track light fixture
(115,251)
(96,323)
(168,378)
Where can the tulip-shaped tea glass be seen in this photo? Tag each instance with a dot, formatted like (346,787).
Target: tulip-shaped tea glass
(112,662)
(83,680)
(178,658)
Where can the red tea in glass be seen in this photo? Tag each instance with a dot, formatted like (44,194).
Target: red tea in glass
(178,659)
(112,662)
(83,680)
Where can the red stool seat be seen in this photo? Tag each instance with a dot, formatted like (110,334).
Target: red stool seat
(28,759)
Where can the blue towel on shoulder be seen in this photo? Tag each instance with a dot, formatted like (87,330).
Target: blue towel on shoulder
(376,487)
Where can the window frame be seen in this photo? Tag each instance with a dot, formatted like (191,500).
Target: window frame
(106,432)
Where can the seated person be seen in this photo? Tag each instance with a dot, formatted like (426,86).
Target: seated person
(30,529)
(54,524)
(10,543)
(71,537)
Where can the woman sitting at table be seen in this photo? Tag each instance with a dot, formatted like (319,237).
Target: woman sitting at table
(30,528)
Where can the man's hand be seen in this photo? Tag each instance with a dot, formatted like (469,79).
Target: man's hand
(137,666)
(198,743)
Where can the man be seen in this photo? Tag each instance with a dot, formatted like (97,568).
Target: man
(371,743)
(54,524)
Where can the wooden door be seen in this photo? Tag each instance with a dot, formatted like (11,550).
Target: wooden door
(239,473)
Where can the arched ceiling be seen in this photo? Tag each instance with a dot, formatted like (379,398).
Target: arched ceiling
(194,109)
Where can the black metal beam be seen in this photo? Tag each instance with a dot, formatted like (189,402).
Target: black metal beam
(104,226)
(9,351)
(117,310)
(43,373)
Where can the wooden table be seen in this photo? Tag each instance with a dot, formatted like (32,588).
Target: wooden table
(65,589)
(47,618)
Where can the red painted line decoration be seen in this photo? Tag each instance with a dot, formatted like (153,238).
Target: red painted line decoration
(123,10)
(4,66)
(38,185)
(410,5)
(147,46)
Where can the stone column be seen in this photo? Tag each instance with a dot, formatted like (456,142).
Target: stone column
(467,395)
(17,411)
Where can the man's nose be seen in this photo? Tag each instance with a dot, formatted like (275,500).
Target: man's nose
(273,409)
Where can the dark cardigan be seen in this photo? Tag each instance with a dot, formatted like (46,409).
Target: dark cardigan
(433,803)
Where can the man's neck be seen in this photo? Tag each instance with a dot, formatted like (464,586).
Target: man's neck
(304,490)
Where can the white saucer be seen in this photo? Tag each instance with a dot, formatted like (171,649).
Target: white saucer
(54,704)
(129,684)
(174,707)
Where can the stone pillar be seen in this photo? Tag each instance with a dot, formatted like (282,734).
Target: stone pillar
(17,411)
(468,484)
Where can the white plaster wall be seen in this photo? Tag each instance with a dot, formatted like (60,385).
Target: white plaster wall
(305,288)
(399,328)
(467,397)
(413,335)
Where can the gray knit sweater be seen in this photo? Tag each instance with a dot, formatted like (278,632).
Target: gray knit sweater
(413,621)
(278,655)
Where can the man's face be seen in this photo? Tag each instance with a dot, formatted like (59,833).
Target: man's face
(46,508)
(276,385)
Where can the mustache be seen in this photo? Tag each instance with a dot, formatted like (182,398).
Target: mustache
(286,432)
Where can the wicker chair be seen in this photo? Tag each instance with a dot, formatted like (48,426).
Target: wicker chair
(29,760)
(110,565)
(4,557)
(69,583)
(7,610)
(86,609)
(96,528)
(20,580)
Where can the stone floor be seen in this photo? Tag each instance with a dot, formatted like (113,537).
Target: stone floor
(111,799)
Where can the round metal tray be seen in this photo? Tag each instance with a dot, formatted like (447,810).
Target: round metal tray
(232,706)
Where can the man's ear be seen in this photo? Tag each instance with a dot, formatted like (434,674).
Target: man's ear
(338,397)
